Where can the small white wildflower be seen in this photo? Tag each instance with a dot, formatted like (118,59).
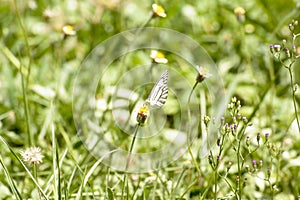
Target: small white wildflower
(202,74)
(32,155)
(69,30)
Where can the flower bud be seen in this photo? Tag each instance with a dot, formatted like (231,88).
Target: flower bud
(233,99)
(283,41)
(219,141)
(247,168)
(287,53)
(206,120)
(277,47)
(222,120)
(295,88)
(245,120)
(247,141)
(245,182)
(254,163)
(229,165)
(210,160)
(258,137)
(234,119)
(271,48)
(294,48)
(267,136)
(296,23)
(260,163)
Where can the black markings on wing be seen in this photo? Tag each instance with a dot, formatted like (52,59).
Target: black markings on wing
(159,93)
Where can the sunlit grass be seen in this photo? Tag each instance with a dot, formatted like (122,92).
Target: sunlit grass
(254,153)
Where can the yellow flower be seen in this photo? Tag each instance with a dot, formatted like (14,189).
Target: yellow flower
(32,155)
(158,10)
(142,115)
(158,57)
(69,30)
(202,74)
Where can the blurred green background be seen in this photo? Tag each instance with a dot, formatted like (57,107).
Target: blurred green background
(239,47)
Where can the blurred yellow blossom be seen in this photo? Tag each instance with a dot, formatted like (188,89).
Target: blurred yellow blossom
(69,30)
(158,10)
(158,57)
(142,115)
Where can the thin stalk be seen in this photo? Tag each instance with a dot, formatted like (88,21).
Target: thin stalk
(125,179)
(26,110)
(238,154)
(26,41)
(216,186)
(189,121)
(294,97)
(25,85)
(36,177)
(179,179)
(132,144)
(10,180)
(239,170)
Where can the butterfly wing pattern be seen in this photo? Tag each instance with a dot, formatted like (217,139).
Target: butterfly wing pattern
(159,93)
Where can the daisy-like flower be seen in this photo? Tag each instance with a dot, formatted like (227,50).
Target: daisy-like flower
(158,57)
(69,30)
(158,10)
(202,74)
(142,115)
(32,155)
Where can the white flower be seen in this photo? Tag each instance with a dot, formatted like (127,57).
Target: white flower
(69,30)
(32,155)
(202,74)
(158,10)
(158,57)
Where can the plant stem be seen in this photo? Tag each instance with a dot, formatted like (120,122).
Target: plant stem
(25,85)
(239,170)
(294,97)
(216,180)
(36,177)
(125,179)
(239,156)
(26,40)
(189,121)
(131,146)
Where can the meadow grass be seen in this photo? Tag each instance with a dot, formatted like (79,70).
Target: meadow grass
(252,151)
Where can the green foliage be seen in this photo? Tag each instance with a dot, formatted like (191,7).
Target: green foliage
(39,64)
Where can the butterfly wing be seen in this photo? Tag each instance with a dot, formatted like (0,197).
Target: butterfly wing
(159,93)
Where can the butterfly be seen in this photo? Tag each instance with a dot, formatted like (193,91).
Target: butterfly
(159,93)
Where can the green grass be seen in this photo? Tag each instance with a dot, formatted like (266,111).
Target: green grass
(39,65)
